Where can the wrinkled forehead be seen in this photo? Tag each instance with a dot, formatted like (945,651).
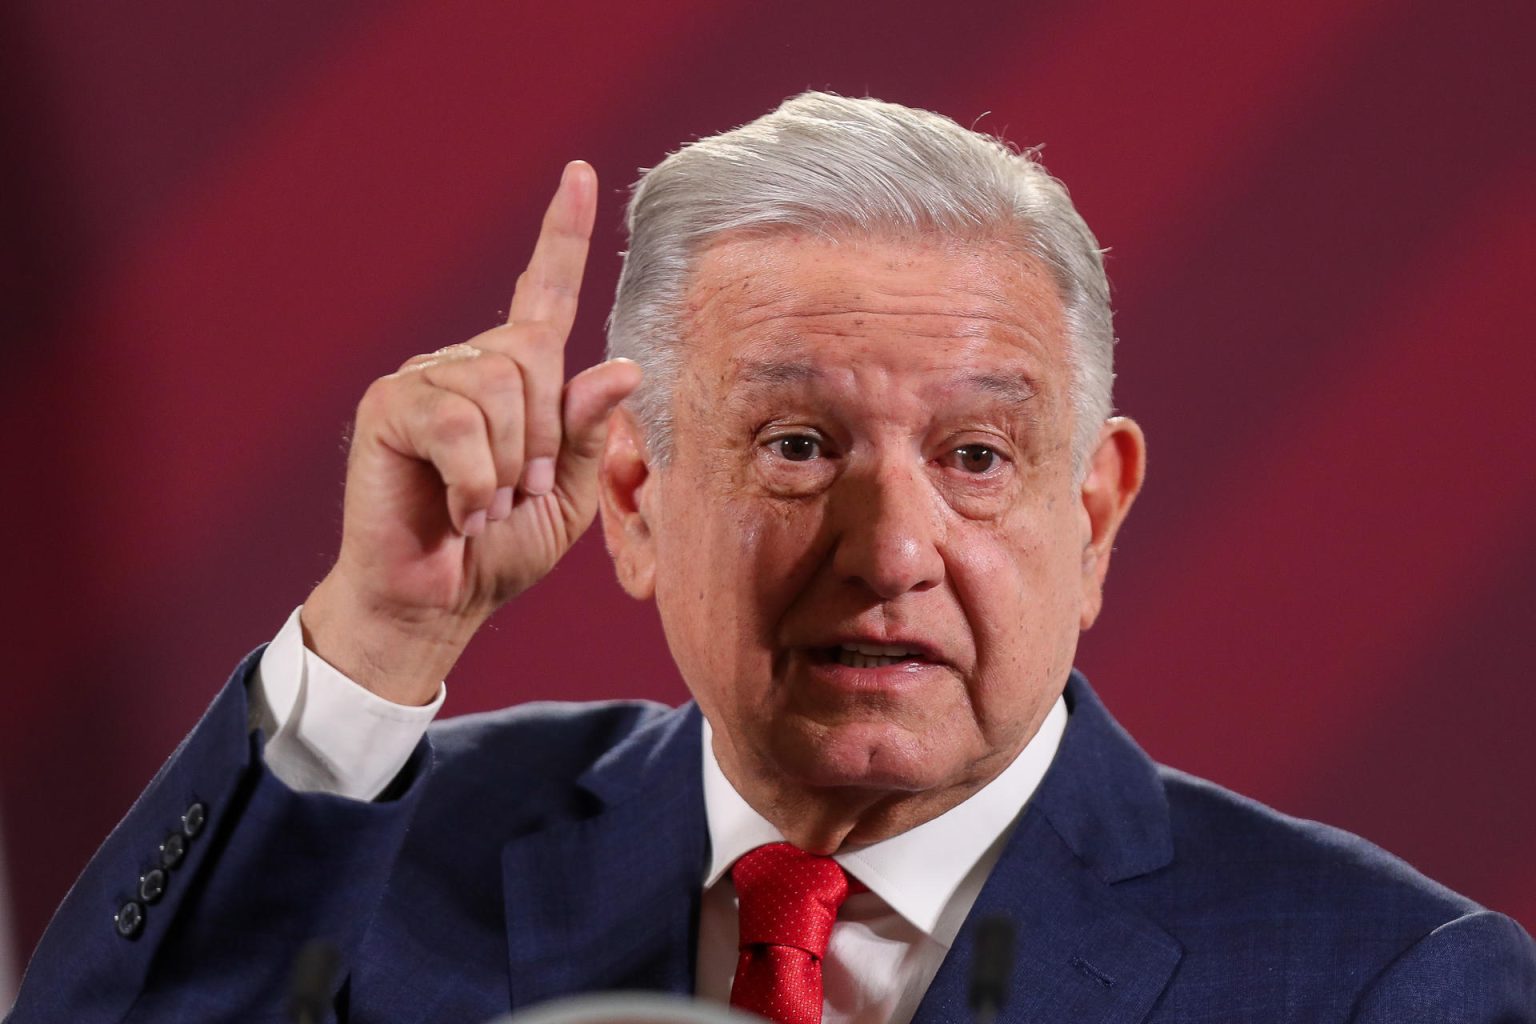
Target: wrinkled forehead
(780,300)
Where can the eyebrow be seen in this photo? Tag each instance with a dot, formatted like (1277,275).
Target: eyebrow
(1011,388)
(756,371)
(1015,389)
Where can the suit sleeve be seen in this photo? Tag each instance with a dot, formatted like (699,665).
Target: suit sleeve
(197,903)
(326,733)
(1478,969)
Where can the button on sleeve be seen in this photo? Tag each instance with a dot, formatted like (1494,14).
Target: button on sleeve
(192,822)
(172,849)
(129,919)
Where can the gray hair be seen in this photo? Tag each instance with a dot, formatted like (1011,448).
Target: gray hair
(827,164)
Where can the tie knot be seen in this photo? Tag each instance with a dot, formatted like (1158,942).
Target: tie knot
(788,897)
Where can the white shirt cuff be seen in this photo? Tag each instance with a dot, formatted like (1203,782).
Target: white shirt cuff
(325,733)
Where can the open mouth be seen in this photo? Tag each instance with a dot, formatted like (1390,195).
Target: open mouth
(871,655)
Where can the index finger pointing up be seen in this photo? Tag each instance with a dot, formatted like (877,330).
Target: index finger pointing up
(547,290)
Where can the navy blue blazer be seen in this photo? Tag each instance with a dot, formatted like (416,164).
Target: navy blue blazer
(551,849)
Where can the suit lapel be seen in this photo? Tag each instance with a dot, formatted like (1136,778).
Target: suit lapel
(610,901)
(1082,952)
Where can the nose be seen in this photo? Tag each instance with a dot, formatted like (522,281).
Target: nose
(889,530)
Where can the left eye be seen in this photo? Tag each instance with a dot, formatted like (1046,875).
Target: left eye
(798,447)
(975,458)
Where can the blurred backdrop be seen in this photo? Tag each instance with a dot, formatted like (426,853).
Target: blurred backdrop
(222,221)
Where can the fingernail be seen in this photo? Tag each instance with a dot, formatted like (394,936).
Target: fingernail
(539,476)
(501,505)
(475,524)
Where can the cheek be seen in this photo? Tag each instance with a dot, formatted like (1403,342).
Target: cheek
(781,550)
(1019,590)
(727,572)
(1000,583)
(1012,571)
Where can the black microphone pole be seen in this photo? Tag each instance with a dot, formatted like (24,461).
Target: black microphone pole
(991,968)
(314,973)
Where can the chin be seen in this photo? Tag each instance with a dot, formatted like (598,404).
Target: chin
(864,756)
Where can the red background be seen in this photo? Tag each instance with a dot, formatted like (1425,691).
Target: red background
(221,221)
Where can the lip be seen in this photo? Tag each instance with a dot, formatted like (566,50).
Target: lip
(821,648)
(821,665)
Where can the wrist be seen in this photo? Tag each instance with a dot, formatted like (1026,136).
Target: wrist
(402,656)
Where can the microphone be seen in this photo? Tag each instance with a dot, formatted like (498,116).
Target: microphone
(991,971)
(628,1008)
(991,968)
(314,972)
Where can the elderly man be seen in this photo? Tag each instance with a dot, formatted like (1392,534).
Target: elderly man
(856,444)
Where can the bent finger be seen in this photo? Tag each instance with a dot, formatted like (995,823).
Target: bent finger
(448,431)
(494,384)
(589,399)
(538,350)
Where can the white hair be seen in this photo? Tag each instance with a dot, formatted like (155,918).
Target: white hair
(830,165)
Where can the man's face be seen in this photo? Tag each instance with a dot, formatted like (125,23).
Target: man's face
(869,550)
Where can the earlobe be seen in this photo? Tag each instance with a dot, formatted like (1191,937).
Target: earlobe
(623,496)
(1113,479)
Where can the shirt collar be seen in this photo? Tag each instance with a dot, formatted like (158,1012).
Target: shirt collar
(919,872)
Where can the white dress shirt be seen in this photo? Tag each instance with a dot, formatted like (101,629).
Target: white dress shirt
(328,734)
(325,733)
(887,943)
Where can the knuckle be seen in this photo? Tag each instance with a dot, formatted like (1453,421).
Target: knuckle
(377,397)
(500,376)
(452,422)
(532,334)
(544,334)
(467,470)
(476,482)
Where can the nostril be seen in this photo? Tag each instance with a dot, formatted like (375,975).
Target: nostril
(890,568)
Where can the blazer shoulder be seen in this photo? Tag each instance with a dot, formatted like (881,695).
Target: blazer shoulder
(553,741)
(1290,912)
(1239,844)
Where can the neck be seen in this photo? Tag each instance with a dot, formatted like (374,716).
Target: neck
(829,819)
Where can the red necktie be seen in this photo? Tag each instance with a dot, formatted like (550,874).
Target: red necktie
(789,900)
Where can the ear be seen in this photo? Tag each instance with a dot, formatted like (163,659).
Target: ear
(623,487)
(1114,475)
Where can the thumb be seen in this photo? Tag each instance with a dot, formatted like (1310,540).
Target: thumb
(589,397)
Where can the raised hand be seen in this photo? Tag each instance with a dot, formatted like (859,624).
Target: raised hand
(472,471)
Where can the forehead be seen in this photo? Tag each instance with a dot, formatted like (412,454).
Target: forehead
(911,304)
